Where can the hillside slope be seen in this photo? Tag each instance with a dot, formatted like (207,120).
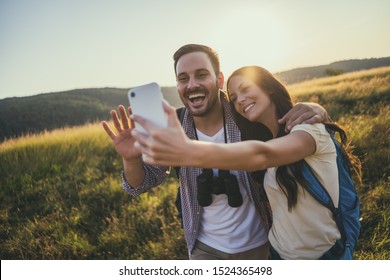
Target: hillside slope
(307,73)
(33,114)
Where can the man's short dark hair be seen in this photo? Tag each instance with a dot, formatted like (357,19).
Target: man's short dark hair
(190,48)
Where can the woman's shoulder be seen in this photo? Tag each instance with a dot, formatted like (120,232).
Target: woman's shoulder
(324,143)
(317,127)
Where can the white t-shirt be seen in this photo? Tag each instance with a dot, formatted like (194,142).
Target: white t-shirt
(230,229)
(309,230)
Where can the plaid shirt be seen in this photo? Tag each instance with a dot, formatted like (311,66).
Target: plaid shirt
(191,210)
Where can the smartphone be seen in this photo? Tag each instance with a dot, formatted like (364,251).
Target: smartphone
(146,101)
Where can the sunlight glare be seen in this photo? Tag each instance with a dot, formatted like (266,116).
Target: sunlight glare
(258,37)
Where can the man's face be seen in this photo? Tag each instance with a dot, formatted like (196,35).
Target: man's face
(197,83)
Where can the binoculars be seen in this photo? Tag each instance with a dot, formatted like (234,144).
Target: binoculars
(224,183)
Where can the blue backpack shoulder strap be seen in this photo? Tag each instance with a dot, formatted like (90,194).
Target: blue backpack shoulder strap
(318,191)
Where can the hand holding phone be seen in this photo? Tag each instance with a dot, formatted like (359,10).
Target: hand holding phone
(146,101)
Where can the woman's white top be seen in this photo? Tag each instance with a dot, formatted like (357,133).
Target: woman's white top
(309,230)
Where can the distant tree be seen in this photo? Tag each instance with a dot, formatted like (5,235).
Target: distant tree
(333,71)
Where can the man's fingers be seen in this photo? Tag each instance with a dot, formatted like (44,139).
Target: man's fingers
(147,125)
(167,107)
(141,139)
(286,117)
(293,119)
(124,118)
(132,125)
(282,120)
(141,145)
(114,117)
(314,119)
(298,118)
(108,130)
(173,121)
(306,118)
(146,153)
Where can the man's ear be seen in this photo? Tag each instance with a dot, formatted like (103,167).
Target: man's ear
(221,80)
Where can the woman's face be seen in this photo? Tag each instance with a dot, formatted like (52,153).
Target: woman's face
(249,100)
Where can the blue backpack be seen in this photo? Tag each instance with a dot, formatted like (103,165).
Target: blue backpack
(346,214)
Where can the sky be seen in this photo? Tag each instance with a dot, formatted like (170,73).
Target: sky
(57,45)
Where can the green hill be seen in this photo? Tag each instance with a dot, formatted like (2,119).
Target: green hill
(307,73)
(24,115)
(61,194)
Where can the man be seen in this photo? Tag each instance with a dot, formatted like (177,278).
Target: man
(219,230)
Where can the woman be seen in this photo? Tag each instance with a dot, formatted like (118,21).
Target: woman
(302,228)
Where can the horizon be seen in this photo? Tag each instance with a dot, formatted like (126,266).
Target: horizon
(69,45)
(174,86)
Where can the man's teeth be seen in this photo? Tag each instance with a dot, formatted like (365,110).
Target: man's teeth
(196,95)
(248,107)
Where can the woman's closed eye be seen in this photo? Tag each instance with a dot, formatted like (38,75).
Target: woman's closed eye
(233,98)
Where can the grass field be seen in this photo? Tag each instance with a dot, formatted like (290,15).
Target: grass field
(61,194)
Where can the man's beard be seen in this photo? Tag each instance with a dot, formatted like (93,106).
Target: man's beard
(211,101)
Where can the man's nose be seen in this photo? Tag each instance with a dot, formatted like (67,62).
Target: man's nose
(192,83)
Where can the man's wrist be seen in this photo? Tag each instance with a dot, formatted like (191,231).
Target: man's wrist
(133,161)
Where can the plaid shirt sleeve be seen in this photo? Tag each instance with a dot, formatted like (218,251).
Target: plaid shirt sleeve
(154,176)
